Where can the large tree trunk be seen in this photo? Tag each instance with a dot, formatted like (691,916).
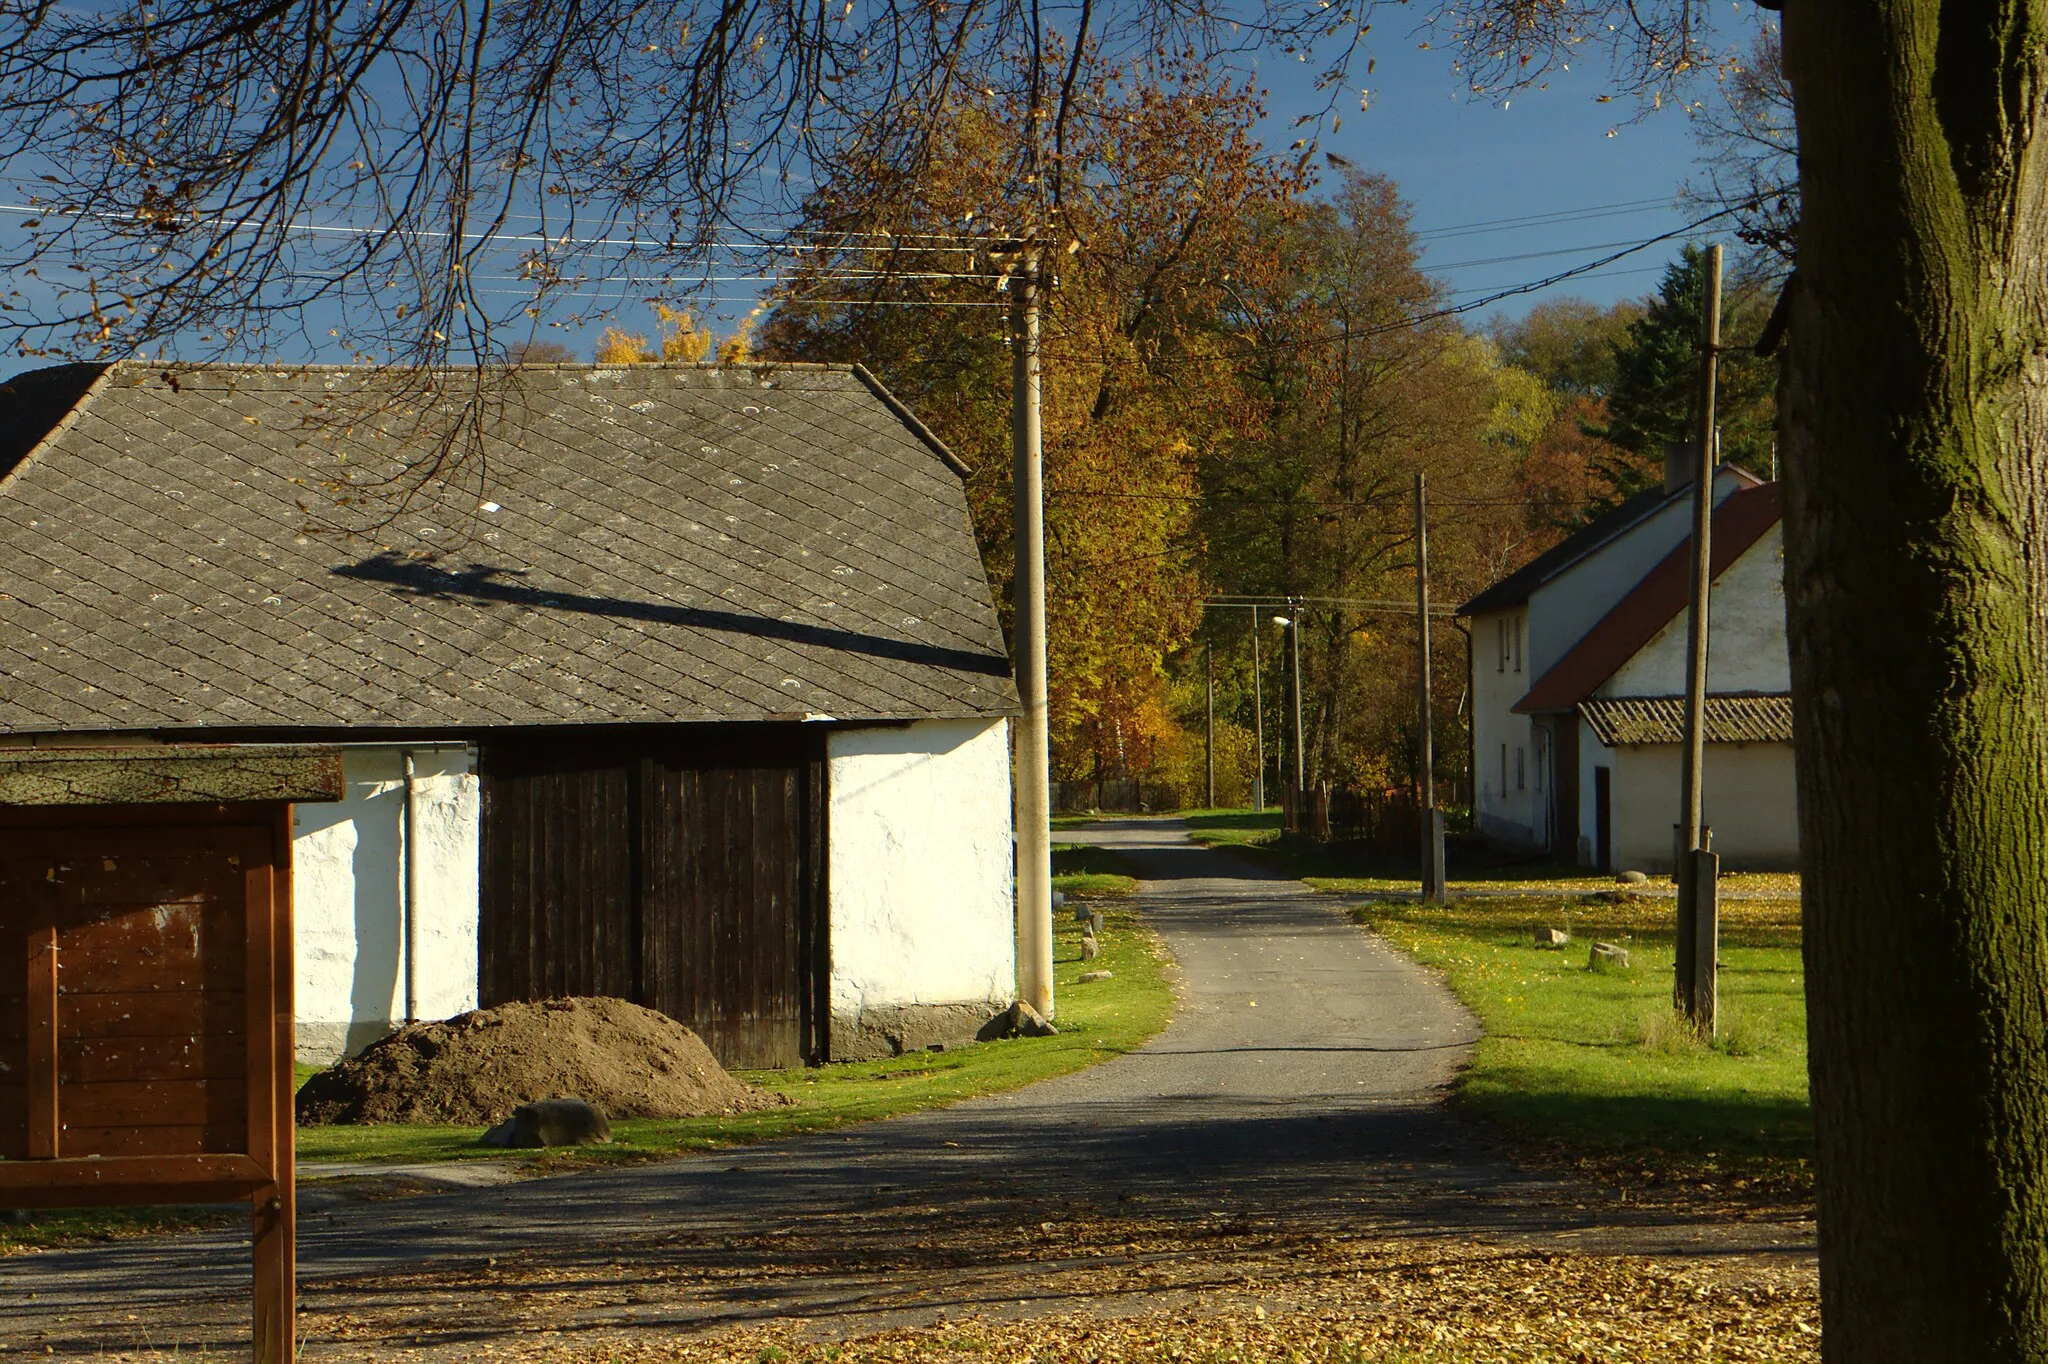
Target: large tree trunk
(1915,425)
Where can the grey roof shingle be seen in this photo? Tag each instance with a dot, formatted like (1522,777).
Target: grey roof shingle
(218,546)
(1734,718)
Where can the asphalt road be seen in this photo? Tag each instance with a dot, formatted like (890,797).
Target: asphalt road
(1300,1082)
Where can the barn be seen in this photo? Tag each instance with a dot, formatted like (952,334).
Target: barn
(679,684)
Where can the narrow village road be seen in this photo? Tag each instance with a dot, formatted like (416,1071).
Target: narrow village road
(1297,1093)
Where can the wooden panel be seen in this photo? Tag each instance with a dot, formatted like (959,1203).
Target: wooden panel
(155,1103)
(40,1066)
(556,866)
(173,946)
(202,1056)
(159,878)
(223,1138)
(148,1014)
(157,1170)
(13,1121)
(729,857)
(681,868)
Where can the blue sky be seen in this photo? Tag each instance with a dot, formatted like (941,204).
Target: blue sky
(1502,192)
(1602,177)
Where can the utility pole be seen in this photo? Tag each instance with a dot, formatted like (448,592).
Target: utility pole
(1697,866)
(1209,733)
(1300,744)
(1258,718)
(1430,821)
(1291,670)
(1034,744)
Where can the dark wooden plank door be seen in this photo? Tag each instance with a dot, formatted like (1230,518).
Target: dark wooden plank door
(556,873)
(1603,819)
(683,870)
(726,903)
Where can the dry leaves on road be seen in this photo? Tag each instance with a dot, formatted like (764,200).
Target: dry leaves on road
(1151,1296)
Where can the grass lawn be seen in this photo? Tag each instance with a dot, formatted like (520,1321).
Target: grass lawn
(1595,1063)
(1349,869)
(1097,1021)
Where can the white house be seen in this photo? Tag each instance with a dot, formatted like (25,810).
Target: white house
(1578,673)
(685,686)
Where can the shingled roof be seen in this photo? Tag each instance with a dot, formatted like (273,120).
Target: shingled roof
(1733,718)
(220,547)
(1519,586)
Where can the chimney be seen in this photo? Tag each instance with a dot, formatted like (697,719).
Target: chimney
(1680,459)
(1679,462)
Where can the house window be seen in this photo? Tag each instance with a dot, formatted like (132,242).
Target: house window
(1503,769)
(1518,643)
(1518,769)
(1500,634)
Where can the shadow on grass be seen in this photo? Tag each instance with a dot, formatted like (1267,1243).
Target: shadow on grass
(1739,1127)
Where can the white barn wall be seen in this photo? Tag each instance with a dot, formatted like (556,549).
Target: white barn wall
(1746,634)
(1501,677)
(922,912)
(347,868)
(1563,609)
(1747,797)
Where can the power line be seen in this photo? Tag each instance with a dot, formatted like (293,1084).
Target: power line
(1563,215)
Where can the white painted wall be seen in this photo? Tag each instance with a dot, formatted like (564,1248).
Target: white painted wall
(1500,677)
(347,868)
(922,911)
(1748,797)
(1562,610)
(1746,634)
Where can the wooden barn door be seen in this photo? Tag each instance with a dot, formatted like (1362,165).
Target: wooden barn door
(556,873)
(682,871)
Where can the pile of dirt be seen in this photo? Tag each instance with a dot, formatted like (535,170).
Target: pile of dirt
(474,1069)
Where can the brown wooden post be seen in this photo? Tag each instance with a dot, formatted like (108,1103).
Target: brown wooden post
(1706,954)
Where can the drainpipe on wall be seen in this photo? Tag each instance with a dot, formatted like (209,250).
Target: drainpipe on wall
(410,897)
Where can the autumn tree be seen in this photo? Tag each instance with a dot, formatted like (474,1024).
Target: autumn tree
(1352,387)
(1573,347)
(1159,176)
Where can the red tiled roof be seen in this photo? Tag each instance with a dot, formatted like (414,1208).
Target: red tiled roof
(1739,521)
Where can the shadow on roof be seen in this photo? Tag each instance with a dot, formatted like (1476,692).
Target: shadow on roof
(483,582)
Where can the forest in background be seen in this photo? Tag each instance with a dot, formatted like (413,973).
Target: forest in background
(1245,366)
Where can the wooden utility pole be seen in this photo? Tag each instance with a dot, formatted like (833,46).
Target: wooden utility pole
(1697,867)
(1209,733)
(1429,820)
(1258,719)
(1034,744)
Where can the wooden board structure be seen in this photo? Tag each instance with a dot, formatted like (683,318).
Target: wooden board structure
(683,869)
(146,1032)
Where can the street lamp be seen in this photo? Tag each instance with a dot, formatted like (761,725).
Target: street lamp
(1293,628)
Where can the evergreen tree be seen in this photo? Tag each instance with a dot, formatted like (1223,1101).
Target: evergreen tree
(1654,401)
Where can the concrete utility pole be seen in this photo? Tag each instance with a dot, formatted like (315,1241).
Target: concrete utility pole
(1258,718)
(1300,731)
(1034,743)
(1430,820)
(1209,732)
(1293,623)
(1697,868)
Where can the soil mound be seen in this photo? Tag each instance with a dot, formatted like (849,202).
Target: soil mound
(476,1068)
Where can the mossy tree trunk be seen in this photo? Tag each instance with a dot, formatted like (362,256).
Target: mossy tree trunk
(1915,427)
